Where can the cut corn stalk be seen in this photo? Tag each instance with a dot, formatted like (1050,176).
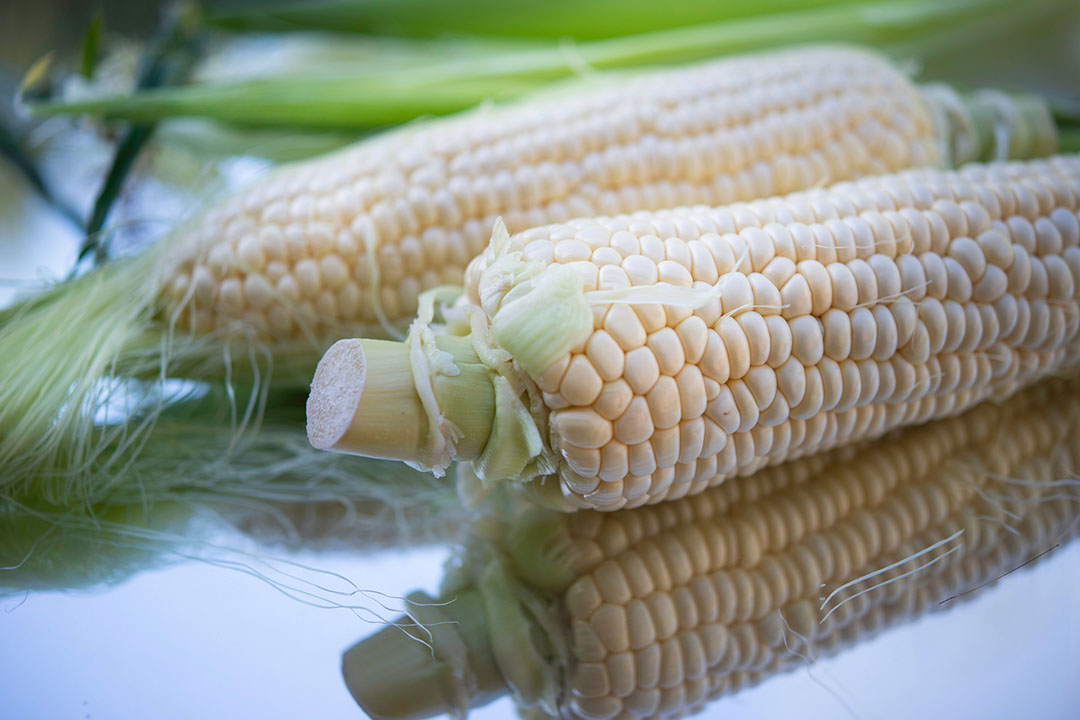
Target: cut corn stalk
(619,361)
(345,244)
(653,612)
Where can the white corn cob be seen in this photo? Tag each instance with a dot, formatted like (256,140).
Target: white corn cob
(327,247)
(657,354)
(652,612)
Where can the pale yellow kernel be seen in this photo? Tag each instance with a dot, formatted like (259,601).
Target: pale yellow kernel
(583,461)
(613,399)
(813,397)
(231,296)
(723,411)
(673,273)
(1048,240)
(762,382)
(955,220)
(864,333)
(832,383)
(665,445)
(736,345)
(652,316)
(642,460)
(641,270)
(549,380)
(844,288)
(703,265)
(1068,224)
(736,294)
(993,285)
(583,597)
(334,272)
(807,343)
(1061,284)
(932,314)
(611,277)
(668,349)
(577,484)
(869,379)
(308,277)
(851,386)
(614,461)
(757,336)
(605,354)
(779,271)
(960,283)
(258,291)
(747,405)
(837,334)
(567,251)
(583,427)
(250,253)
(887,333)
(970,256)
(767,300)
(762,248)
(865,281)
(664,405)
(635,425)
(956,325)
(623,324)
(796,297)
(906,315)
(590,680)
(287,288)
(843,239)
(937,276)
(692,394)
(691,439)
(555,401)
(581,384)
(996,248)
(803,241)
(714,363)
(693,334)
(791,381)
(641,370)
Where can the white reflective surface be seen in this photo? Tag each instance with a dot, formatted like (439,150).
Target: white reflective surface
(193,640)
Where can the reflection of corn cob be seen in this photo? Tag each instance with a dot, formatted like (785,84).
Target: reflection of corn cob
(327,245)
(751,334)
(651,612)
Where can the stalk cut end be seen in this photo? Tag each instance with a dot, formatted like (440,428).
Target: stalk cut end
(363,401)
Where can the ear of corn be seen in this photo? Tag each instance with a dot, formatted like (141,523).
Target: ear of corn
(652,612)
(705,343)
(339,241)
(347,243)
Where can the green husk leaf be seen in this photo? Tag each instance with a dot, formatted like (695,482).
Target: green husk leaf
(372,96)
(555,19)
